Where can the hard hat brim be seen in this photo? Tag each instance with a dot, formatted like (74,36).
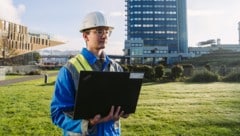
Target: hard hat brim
(109,27)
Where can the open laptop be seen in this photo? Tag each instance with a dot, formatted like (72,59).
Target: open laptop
(98,91)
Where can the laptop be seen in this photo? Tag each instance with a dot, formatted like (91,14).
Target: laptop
(98,91)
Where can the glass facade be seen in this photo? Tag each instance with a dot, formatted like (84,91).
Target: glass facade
(159,23)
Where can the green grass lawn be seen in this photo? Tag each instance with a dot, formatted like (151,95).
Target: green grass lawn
(169,109)
(186,109)
(25,109)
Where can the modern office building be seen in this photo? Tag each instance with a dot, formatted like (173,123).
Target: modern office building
(156,29)
(15,39)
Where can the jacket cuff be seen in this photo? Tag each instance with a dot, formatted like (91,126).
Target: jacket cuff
(84,127)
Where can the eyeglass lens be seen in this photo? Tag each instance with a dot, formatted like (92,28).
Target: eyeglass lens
(100,32)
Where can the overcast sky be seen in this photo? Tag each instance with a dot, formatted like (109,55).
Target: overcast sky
(207,19)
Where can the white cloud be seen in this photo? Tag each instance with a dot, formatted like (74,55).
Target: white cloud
(10,12)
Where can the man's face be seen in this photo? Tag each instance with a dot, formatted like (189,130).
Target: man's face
(96,38)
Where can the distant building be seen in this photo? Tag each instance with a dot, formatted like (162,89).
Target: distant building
(206,47)
(15,39)
(156,29)
(198,51)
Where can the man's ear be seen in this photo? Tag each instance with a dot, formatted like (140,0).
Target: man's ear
(85,36)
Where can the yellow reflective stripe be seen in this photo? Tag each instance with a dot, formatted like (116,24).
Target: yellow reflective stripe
(80,63)
(76,64)
(84,62)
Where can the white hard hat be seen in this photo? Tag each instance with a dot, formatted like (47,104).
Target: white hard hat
(94,19)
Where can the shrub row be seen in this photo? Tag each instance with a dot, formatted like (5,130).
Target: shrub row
(204,76)
(185,72)
(33,72)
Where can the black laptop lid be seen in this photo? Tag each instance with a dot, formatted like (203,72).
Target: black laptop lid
(98,91)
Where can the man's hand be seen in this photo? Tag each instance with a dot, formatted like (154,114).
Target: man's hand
(111,116)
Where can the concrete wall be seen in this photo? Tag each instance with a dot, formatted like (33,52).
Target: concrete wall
(20,69)
(2,73)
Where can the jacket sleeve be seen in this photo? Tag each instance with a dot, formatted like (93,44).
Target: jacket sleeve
(63,100)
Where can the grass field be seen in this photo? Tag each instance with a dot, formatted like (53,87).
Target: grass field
(179,109)
(169,109)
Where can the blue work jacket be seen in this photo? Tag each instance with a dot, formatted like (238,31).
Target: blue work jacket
(64,97)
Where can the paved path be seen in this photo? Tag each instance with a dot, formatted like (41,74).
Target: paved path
(22,79)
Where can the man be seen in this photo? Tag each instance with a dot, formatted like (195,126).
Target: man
(95,32)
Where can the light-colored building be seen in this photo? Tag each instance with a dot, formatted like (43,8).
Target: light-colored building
(198,51)
(15,39)
(211,45)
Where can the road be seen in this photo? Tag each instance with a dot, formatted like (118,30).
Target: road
(23,79)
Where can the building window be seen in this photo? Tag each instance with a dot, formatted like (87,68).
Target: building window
(136,51)
(136,60)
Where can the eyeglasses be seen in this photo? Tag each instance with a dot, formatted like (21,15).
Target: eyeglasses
(101,32)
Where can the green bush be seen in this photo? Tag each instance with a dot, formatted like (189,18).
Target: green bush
(204,76)
(177,71)
(232,77)
(125,67)
(15,73)
(159,71)
(34,72)
(207,67)
(188,69)
(147,70)
(223,70)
